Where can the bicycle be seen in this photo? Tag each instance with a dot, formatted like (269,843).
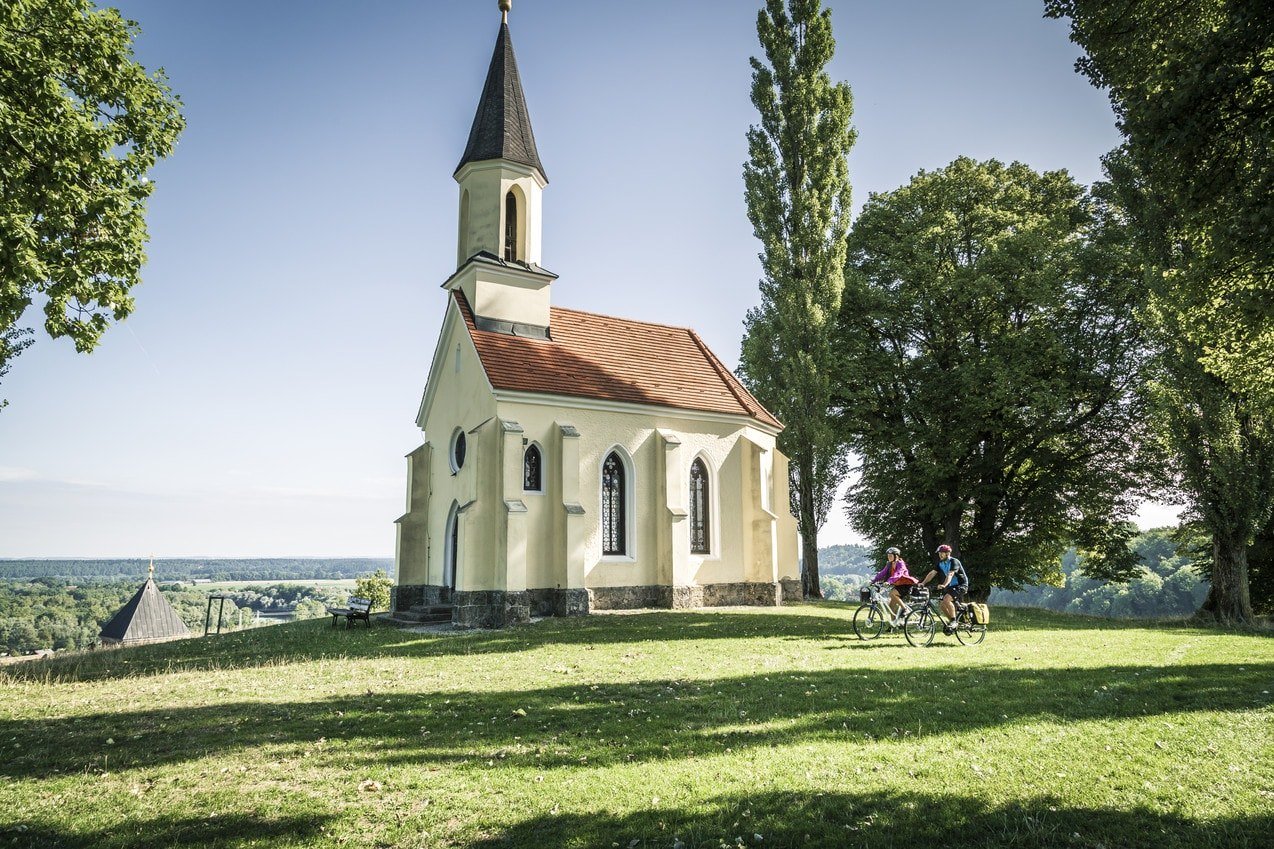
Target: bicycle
(921,624)
(873,615)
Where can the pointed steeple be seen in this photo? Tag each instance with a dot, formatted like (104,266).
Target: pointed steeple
(147,618)
(502,126)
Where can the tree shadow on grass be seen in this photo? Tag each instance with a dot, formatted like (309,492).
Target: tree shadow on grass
(315,640)
(227,830)
(569,725)
(872,819)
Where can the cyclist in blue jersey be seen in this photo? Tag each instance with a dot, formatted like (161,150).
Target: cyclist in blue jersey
(954,582)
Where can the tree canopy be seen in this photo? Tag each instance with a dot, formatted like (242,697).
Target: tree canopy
(988,362)
(797,190)
(1190,83)
(81,126)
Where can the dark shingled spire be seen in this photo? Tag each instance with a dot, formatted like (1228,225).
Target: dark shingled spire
(502,127)
(147,618)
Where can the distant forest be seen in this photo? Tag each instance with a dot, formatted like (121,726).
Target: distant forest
(189,569)
(52,613)
(1170,581)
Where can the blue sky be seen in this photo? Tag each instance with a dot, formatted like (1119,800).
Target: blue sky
(261,399)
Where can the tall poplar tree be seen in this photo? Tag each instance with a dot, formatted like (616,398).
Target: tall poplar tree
(798,195)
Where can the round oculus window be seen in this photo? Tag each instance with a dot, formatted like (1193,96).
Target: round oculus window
(457,450)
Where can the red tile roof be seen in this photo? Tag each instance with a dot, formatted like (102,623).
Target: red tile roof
(614,359)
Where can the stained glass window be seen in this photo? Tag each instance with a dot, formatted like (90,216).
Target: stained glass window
(699,538)
(613,539)
(510,227)
(531,469)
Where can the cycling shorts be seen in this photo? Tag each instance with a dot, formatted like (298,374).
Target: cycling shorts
(956,593)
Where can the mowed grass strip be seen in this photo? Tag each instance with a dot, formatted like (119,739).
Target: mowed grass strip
(691,729)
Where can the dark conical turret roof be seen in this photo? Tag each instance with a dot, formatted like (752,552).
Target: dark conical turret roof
(502,126)
(148,617)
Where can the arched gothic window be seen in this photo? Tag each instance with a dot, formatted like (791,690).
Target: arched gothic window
(614,540)
(531,462)
(510,227)
(699,531)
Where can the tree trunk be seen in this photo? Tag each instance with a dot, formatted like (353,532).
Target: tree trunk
(808,524)
(930,539)
(1228,601)
(810,586)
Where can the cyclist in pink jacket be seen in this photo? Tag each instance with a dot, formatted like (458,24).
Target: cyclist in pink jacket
(898,576)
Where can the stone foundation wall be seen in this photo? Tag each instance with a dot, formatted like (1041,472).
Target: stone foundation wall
(558,602)
(489,608)
(628,598)
(682,598)
(498,608)
(406,596)
(756,594)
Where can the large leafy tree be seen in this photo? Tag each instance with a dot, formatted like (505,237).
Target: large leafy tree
(81,125)
(1222,450)
(1191,85)
(797,189)
(1217,434)
(989,359)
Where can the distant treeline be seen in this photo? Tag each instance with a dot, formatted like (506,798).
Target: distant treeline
(1170,581)
(51,613)
(189,569)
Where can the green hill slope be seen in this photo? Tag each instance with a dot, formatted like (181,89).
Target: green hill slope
(696,729)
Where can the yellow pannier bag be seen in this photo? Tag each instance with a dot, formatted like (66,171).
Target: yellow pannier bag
(981,614)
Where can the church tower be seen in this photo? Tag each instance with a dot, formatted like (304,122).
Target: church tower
(501,186)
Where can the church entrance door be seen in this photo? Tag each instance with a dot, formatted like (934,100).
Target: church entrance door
(449,560)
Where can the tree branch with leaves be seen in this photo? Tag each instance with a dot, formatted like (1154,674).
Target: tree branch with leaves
(81,126)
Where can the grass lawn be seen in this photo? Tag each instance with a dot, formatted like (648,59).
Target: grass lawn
(767,728)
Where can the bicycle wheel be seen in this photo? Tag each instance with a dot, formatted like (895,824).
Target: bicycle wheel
(868,623)
(919,627)
(967,631)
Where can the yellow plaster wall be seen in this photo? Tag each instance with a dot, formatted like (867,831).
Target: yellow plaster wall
(729,450)
(462,398)
(483,228)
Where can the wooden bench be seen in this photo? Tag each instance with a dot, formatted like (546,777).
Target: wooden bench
(359,608)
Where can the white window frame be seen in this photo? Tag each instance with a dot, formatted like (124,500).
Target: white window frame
(540,448)
(714,517)
(456,436)
(630,501)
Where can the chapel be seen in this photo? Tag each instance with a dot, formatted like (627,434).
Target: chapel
(573,461)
